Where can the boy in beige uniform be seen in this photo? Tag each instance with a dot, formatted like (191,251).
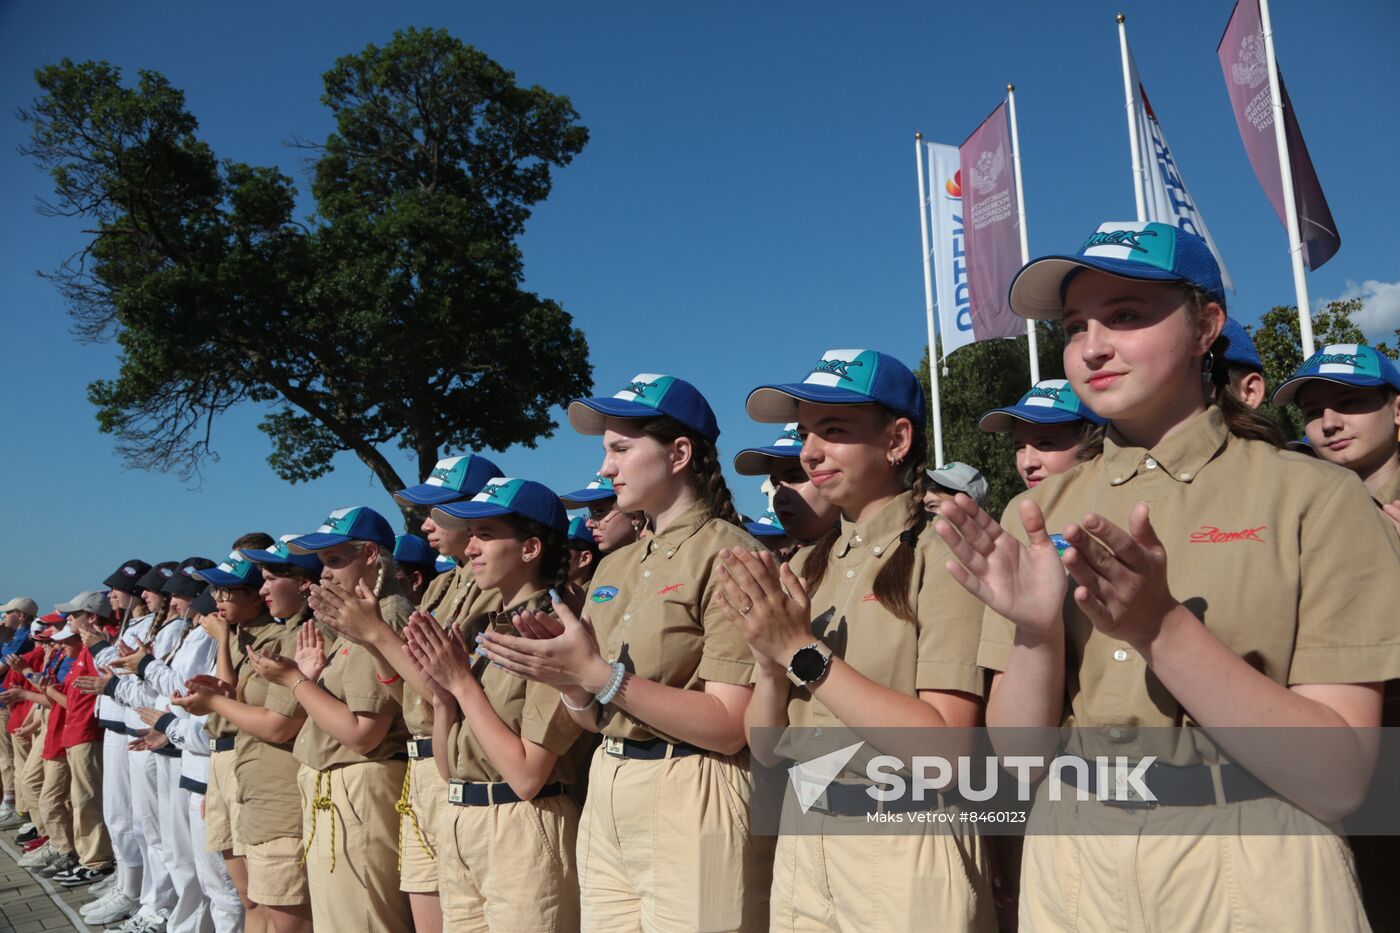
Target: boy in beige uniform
(1261,553)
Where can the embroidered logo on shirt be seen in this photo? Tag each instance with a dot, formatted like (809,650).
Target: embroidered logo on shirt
(1060,543)
(669,589)
(344,651)
(604,594)
(1209,534)
(869,598)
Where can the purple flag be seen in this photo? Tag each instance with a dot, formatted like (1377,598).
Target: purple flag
(991,238)
(1246,69)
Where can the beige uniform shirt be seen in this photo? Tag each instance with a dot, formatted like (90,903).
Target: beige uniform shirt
(1283,557)
(264,630)
(532,711)
(267,773)
(459,598)
(352,677)
(1389,491)
(652,605)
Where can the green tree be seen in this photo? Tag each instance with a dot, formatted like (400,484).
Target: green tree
(394,314)
(1279,343)
(980,377)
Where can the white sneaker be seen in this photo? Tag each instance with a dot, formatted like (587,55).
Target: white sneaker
(98,904)
(9,817)
(103,886)
(115,907)
(38,857)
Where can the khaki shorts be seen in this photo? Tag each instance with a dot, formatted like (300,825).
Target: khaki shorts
(221,805)
(664,845)
(509,867)
(427,796)
(1209,874)
(276,876)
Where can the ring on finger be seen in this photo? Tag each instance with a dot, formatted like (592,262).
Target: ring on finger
(746,609)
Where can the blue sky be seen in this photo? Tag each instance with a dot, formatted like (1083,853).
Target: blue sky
(747,201)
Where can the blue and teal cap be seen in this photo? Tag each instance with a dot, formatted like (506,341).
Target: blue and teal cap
(280,556)
(1348,364)
(579,536)
(758,461)
(357,523)
(1234,347)
(444,564)
(1301,446)
(236,570)
(843,377)
(647,396)
(452,479)
(601,488)
(1130,249)
(765,526)
(1050,401)
(412,549)
(508,496)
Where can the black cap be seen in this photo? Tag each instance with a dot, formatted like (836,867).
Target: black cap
(203,605)
(127,577)
(158,576)
(182,582)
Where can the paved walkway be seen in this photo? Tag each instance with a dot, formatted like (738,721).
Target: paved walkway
(35,905)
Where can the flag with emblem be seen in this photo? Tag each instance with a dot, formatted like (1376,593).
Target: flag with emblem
(991,233)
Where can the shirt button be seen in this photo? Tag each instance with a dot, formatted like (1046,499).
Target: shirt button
(670,553)
(626,616)
(1119,480)
(850,573)
(858,540)
(1186,477)
(646,573)
(1120,655)
(876,550)
(1150,463)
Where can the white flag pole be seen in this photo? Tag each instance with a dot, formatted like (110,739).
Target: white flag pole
(1031,347)
(1130,104)
(936,408)
(1290,204)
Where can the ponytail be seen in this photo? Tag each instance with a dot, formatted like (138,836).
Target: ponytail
(705,470)
(554,550)
(1241,420)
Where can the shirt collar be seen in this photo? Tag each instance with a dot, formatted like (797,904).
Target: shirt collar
(668,542)
(877,532)
(1180,455)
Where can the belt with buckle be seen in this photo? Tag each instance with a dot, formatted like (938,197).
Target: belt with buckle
(419,748)
(649,750)
(853,800)
(1176,786)
(469,794)
(223,743)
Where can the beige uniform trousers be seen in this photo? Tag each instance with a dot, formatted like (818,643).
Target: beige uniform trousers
(349,825)
(664,846)
(31,779)
(56,806)
(276,875)
(1092,867)
(424,797)
(19,748)
(509,868)
(221,805)
(7,755)
(90,838)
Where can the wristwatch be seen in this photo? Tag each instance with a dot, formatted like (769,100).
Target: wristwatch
(809,664)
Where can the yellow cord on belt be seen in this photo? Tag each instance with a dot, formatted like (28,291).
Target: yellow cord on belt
(321,802)
(404,808)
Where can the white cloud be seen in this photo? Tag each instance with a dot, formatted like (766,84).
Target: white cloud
(1380,309)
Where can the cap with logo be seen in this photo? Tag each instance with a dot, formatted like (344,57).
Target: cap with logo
(601,488)
(647,396)
(959,477)
(452,479)
(235,571)
(279,555)
(357,523)
(22,604)
(158,576)
(65,633)
(183,582)
(579,537)
(52,618)
(1349,364)
(124,577)
(843,377)
(1234,348)
(509,496)
(89,601)
(415,550)
(758,461)
(765,526)
(1301,446)
(1144,251)
(1050,401)
(444,564)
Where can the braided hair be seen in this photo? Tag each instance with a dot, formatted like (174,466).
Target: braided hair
(554,550)
(892,582)
(705,470)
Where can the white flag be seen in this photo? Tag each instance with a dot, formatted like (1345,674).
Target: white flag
(949,255)
(1168,199)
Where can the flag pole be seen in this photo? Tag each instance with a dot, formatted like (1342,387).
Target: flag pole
(1129,104)
(1290,203)
(936,408)
(1031,346)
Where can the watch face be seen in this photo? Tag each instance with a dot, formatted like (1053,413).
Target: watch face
(808,664)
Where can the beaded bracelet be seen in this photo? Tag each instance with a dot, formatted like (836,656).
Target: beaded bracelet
(614,684)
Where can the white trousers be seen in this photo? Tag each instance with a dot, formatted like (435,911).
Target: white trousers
(225,909)
(191,912)
(157,893)
(116,813)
